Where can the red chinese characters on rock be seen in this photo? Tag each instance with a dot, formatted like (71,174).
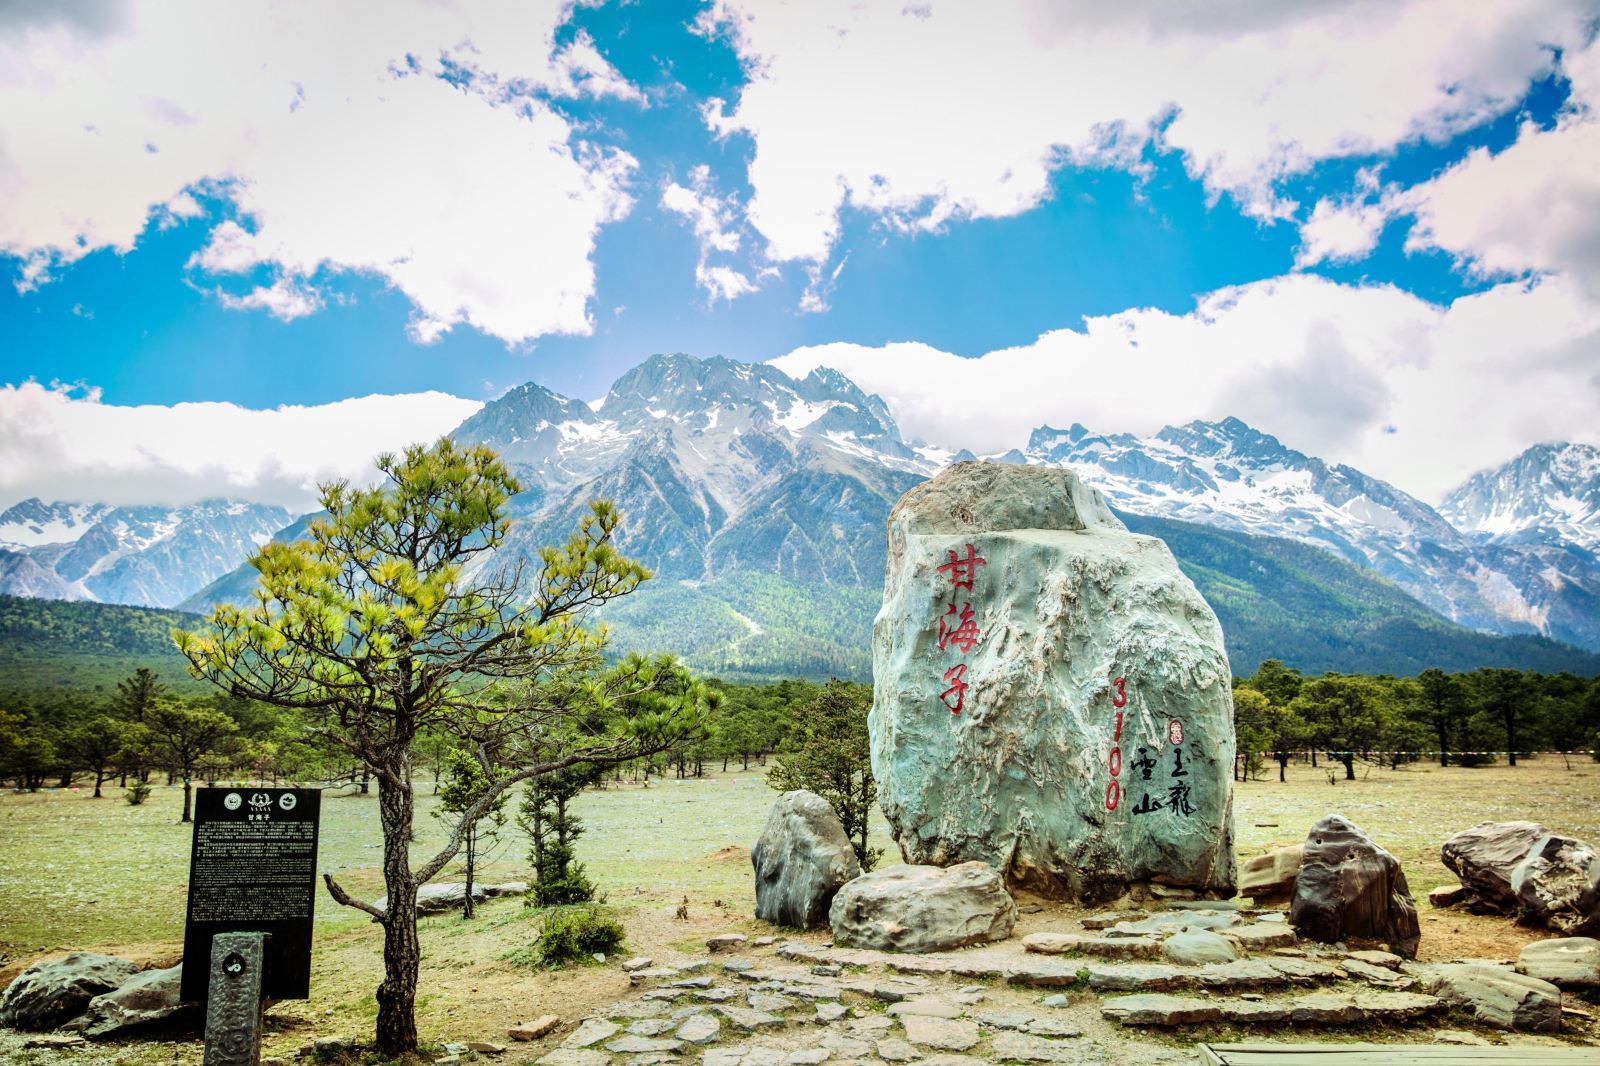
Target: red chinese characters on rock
(958,626)
(1119,700)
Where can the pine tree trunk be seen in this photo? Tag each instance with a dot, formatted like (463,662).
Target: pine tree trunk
(402,954)
(472,843)
(1444,754)
(188,791)
(99,779)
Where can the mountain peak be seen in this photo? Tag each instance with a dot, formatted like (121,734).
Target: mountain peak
(1549,494)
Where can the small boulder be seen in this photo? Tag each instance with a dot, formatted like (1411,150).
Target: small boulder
(1557,884)
(49,993)
(1484,856)
(1196,947)
(1270,878)
(1571,962)
(143,999)
(1350,888)
(923,908)
(1446,896)
(725,942)
(801,859)
(1500,998)
(444,896)
(533,1030)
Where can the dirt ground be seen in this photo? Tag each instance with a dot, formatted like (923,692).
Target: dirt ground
(82,874)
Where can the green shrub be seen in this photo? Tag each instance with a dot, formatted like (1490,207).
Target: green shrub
(575,934)
(136,793)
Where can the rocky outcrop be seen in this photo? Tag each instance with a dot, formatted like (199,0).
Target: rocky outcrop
(1500,998)
(1270,878)
(1349,888)
(47,994)
(1569,962)
(1051,692)
(1483,857)
(1557,884)
(923,908)
(147,998)
(801,859)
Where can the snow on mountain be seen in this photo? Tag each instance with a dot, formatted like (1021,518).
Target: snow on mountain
(148,556)
(1229,475)
(33,522)
(1550,494)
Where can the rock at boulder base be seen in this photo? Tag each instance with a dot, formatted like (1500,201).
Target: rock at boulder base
(923,908)
(1270,878)
(800,860)
(1484,856)
(1019,700)
(1196,947)
(1446,896)
(144,999)
(1558,884)
(49,993)
(1571,962)
(1500,998)
(1349,888)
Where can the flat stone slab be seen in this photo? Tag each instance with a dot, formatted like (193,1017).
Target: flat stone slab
(927,1008)
(1134,947)
(1259,936)
(699,1029)
(1377,975)
(747,1018)
(643,1045)
(1165,923)
(1387,959)
(575,1057)
(1020,1047)
(1322,1008)
(1500,998)
(591,1032)
(944,1033)
(1160,1009)
(1569,962)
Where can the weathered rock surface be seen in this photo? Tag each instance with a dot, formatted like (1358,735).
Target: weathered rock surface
(1270,877)
(923,908)
(1350,888)
(1500,998)
(1558,884)
(1196,947)
(1571,962)
(49,993)
(1446,895)
(144,999)
(801,859)
(1132,947)
(999,745)
(1484,856)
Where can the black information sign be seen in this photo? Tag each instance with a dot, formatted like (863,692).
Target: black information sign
(253,869)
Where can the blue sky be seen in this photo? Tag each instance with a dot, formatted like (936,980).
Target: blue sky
(973,199)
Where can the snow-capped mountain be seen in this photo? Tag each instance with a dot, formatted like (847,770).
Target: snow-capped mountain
(1228,475)
(148,556)
(1550,494)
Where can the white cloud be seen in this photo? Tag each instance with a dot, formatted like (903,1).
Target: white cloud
(1329,368)
(63,443)
(714,220)
(329,128)
(1339,231)
(284,299)
(1533,207)
(923,113)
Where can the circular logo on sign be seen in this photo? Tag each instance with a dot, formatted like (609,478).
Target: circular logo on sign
(232,801)
(287,801)
(1175,731)
(233,964)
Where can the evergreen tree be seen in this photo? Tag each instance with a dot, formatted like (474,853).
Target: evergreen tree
(465,781)
(830,754)
(545,815)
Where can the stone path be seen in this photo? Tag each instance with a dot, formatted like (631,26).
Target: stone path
(1082,993)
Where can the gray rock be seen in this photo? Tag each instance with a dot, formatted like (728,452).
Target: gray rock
(725,942)
(1160,1009)
(1017,1047)
(1133,947)
(1446,896)
(640,963)
(1500,998)
(1570,962)
(1270,877)
(923,908)
(801,859)
(540,1026)
(144,999)
(1483,857)
(947,1034)
(811,1056)
(1168,922)
(830,1012)
(1558,884)
(575,1057)
(926,1007)
(1196,947)
(747,1019)
(1135,977)
(445,896)
(651,1026)
(49,993)
(1324,1008)
(642,1045)
(893,1049)
(1263,935)
(1350,888)
(1066,601)
(591,1032)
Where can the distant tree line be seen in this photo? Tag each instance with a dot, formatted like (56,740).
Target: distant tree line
(1462,719)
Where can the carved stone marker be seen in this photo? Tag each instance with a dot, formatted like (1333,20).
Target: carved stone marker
(233,1002)
(1051,692)
(253,868)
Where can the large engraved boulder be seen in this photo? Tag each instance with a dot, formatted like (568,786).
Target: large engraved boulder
(801,859)
(1051,694)
(146,999)
(55,991)
(923,908)
(1484,856)
(1558,884)
(1349,888)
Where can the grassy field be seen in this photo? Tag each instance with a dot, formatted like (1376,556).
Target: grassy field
(80,873)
